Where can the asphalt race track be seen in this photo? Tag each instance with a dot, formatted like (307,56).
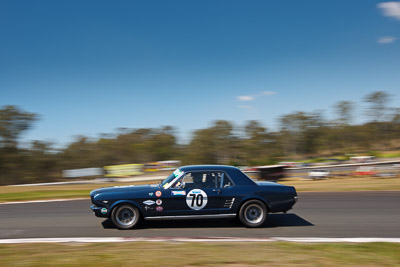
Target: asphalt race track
(332,214)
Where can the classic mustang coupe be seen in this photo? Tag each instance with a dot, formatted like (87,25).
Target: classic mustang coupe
(194,192)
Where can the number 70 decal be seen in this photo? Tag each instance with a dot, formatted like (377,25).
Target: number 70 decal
(196,199)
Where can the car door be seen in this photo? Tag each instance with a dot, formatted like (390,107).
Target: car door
(200,195)
(229,195)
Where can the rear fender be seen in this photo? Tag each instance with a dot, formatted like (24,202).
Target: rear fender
(247,198)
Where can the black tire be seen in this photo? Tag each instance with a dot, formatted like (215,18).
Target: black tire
(125,216)
(253,213)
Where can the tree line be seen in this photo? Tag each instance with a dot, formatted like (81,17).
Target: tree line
(300,135)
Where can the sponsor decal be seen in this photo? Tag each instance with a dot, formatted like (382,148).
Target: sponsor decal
(177,173)
(159,208)
(151,194)
(158,202)
(148,208)
(178,193)
(148,202)
(158,193)
(104,210)
(196,199)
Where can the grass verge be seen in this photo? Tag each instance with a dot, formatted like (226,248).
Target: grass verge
(200,254)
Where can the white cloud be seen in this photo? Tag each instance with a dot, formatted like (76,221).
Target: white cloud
(386,39)
(268,93)
(390,9)
(245,98)
(253,97)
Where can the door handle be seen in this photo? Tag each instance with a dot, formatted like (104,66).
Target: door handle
(217,190)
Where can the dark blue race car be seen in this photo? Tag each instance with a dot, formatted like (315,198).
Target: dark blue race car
(192,192)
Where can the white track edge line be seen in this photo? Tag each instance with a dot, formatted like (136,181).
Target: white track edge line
(199,239)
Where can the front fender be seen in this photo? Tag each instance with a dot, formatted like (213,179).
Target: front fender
(115,204)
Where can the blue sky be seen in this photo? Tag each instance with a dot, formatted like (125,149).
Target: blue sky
(90,67)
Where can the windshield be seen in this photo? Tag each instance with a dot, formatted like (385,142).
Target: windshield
(171,178)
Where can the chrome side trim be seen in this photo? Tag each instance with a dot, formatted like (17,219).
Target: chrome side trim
(209,216)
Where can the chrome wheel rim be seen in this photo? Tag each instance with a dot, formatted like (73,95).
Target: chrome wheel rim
(254,213)
(126,216)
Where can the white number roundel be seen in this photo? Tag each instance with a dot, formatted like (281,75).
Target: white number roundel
(196,199)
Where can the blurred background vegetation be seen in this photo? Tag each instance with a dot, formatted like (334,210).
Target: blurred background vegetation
(301,135)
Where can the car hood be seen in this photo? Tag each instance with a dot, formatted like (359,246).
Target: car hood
(121,189)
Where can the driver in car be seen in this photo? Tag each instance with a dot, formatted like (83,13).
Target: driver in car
(197,180)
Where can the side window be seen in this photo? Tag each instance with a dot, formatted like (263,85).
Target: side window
(227,182)
(205,179)
(188,180)
(213,180)
(219,178)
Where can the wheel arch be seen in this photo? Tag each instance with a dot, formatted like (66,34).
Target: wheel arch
(249,198)
(130,202)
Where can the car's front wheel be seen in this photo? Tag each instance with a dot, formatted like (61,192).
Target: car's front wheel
(253,213)
(125,216)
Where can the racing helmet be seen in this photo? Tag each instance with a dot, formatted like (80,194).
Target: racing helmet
(197,177)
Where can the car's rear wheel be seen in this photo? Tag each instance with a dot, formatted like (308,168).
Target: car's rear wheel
(253,213)
(125,216)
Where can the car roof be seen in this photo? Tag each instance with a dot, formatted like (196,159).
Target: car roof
(207,168)
(238,177)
